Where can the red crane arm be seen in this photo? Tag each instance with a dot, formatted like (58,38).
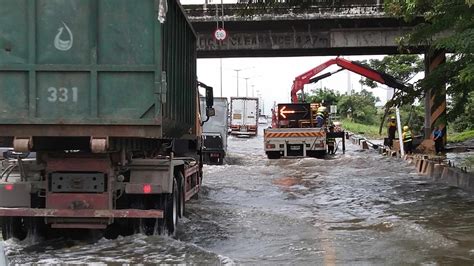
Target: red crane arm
(355,67)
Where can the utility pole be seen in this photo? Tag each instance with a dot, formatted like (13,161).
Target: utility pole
(259,96)
(237,71)
(221,77)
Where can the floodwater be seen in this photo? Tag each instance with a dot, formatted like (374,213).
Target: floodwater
(353,208)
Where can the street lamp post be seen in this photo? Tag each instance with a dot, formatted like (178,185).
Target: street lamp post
(259,95)
(247,87)
(221,76)
(237,71)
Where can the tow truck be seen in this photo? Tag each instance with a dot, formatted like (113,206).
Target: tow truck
(294,131)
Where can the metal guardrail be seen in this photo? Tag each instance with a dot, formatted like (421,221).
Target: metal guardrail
(195,12)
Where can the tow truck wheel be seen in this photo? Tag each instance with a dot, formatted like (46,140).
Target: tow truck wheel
(171,211)
(15,227)
(273,155)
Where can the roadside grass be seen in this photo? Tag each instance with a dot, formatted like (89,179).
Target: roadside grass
(461,136)
(370,131)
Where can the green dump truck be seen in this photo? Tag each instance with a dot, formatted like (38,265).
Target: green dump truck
(105,93)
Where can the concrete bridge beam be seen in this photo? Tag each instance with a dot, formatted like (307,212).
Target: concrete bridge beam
(300,43)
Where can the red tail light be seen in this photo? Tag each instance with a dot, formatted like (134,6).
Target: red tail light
(9,187)
(147,188)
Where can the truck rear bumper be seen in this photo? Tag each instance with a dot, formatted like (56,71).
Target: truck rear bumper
(248,133)
(294,147)
(66,213)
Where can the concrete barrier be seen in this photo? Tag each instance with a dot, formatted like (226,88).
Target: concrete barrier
(364,144)
(424,166)
(450,177)
(418,164)
(437,172)
(432,167)
(428,170)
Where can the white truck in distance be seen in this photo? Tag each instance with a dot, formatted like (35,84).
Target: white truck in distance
(215,132)
(244,116)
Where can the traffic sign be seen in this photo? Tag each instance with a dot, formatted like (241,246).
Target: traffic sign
(220,34)
(294,111)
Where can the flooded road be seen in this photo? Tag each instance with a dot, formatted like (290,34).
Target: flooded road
(353,208)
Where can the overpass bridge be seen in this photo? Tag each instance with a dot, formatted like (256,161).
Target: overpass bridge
(333,27)
(348,27)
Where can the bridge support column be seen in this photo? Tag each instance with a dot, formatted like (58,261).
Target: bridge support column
(435,98)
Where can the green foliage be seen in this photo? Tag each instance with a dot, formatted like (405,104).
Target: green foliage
(402,67)
(448,26)
(370,131)
(329,97)
(414,117)
(460,137)
(461,111)
(360,106)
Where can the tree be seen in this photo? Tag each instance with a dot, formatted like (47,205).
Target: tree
(360,106)
(448,26)
(329,97)
(403,67)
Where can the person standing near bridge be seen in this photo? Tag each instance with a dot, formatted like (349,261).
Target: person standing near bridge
(407,140)
(392,128)
(437,136)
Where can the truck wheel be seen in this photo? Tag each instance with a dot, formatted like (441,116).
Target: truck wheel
(273,155)
(171,211)
(182,194)
(15,227)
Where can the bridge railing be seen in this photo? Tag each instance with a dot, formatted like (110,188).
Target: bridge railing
(324,7)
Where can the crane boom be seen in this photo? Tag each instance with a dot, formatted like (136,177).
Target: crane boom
(355,67)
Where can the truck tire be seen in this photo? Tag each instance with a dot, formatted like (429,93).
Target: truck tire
(273,155)
(171,209)
(182,194)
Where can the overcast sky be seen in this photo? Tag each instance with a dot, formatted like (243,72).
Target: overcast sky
(272,77)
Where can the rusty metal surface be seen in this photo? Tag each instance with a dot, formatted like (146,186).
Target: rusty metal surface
(90,182)
(125,213)
(78,226)
(18,194)
(75,201)
(78,164)
(140,189)
(191,170)
(192,192)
